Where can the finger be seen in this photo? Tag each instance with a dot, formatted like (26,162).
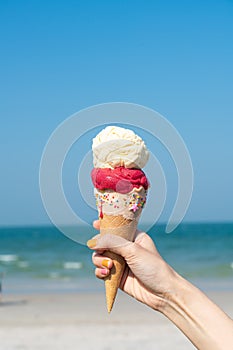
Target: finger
(95,238)
(113,243)
(101,272)
(96,224)
(101,261)
(132,252)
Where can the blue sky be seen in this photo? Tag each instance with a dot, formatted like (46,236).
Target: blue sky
(58,57)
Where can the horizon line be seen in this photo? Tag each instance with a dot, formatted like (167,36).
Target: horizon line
(162,223)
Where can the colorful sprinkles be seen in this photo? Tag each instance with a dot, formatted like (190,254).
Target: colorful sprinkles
(136,202)
(131,201)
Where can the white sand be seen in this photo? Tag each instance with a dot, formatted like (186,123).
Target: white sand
(78,321)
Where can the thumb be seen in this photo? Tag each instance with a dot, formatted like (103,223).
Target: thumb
(115,244)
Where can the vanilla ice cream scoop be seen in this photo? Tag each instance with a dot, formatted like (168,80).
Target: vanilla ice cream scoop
(115,146)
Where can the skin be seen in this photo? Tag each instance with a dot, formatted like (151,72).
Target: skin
(150,280)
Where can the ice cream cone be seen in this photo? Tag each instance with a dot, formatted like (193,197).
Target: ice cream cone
(119,214)
(120,189)
(125,228)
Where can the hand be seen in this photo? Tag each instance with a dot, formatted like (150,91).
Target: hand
(147,277)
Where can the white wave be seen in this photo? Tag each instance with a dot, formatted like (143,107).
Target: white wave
(54,275)
(8,257)
(231,265)
(23,264)
(72,265)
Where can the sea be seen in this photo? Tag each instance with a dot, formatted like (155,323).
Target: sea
(42,259)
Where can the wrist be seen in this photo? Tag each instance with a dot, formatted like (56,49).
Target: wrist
(172,293)
(165,294)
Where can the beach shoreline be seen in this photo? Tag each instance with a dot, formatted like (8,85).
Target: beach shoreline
(51,299)
(71,320)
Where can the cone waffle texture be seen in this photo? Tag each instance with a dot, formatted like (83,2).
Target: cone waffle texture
(126,228)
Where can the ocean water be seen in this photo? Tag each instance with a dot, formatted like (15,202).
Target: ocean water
(42,258)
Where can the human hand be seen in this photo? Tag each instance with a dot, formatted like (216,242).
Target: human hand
(147,277)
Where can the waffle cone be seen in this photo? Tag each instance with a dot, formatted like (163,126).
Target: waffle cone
(125,228)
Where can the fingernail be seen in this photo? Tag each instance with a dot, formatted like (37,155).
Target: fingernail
(104,272)
(91,243)
(105,263)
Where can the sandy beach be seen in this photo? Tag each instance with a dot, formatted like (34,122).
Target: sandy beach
(80,321)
